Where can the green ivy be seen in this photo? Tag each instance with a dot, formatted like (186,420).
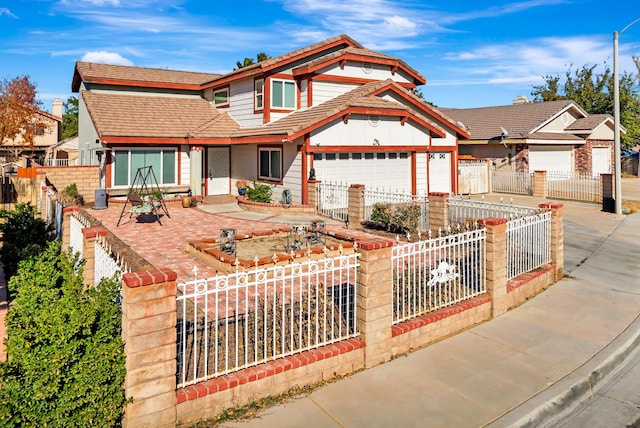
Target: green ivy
(66,358)
(24,235)
(259,192)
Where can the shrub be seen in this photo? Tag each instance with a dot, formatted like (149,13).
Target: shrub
(70,196)
(65,363)
(259,192)
(399,219)
(381,213)
(24,235)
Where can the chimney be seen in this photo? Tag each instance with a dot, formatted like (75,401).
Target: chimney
(56,107)
(520,99)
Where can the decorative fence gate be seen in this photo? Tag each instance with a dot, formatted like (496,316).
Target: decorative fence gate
(230,322)
(333,200)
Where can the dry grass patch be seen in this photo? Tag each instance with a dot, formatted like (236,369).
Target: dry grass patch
(633,206)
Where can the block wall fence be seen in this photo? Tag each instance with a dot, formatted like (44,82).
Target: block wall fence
(149,327)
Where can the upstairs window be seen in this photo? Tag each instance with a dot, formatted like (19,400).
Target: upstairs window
(283,94)
(259,101)
(221,97)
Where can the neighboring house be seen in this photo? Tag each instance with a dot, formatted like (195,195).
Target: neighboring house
(550,136)
(47,128)
(334,108)
(63,153)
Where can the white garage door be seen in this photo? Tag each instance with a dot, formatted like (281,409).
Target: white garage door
(600,160)
(557,158)
(440,172)
(388,171)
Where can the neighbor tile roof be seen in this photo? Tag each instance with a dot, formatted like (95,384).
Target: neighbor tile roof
(589,123)
(519,120)
(95,72)
(119,115)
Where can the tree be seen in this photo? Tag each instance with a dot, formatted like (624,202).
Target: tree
(261,56)
(18,104)
(24,236)
(70,118)
(594,92)
(66,361)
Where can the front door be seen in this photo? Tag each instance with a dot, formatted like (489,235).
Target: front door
(218,171)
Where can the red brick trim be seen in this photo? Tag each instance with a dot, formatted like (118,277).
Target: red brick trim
(262,371)
(148,277)
(491,221)
(92,232)
(438,315)
(357,186)
(550,206)
(438,194)
(73,209)
(523,279)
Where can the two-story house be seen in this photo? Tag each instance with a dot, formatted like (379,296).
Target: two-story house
(336,109)
(46,129)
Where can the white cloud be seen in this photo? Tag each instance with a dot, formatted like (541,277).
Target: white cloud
(106,58)
(5,11)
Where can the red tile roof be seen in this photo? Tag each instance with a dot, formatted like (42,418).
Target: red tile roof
(156,116)
(138,76)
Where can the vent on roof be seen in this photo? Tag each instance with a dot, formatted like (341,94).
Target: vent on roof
(521,99)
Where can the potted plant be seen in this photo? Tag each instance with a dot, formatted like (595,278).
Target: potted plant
(242,186)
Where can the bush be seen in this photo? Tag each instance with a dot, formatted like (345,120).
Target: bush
(259,192)
(65,363)
(24,235)
(70,196)
(400,219)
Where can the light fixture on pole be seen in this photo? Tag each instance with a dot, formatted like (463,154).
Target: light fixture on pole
(616,118)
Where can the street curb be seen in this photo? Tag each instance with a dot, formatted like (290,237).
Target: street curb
(545,408)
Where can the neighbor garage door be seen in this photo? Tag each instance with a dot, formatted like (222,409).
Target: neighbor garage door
(557,158)
(389,171)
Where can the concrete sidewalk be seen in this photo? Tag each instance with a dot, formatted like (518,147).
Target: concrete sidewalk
(519,369)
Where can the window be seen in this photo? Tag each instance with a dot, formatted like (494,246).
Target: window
(356,156)
(127,162)
(37,128)
(221,97)
(259,85)
(283,94)
(270,160)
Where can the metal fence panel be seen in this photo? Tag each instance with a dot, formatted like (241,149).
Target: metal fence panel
(528,243)
(574,186)
(467,210)
(396,200)
(520,183)
(432,274)
(333,200)
(229,322)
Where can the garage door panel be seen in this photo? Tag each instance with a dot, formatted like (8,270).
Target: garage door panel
(372,171)
(559,158)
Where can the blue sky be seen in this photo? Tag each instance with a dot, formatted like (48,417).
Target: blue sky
(473,53)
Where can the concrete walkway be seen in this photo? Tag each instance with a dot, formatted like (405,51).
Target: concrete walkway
(519,369)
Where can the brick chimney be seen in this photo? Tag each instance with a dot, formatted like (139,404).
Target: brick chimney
(56,107)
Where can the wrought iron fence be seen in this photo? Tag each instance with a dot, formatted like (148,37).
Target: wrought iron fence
(528,243)
(467,210)
(435,273)
(76,241)
(229,322)
(574,186)
(397,201)
(333,200)
(520,183)
(106,262)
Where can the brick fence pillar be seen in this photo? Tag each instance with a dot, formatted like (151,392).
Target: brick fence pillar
(89,235)
(356,206)
(496,263)
(312,193)
(149,333)
(67,212)
(374,301)
(557,238)
(438,211)
(540,184)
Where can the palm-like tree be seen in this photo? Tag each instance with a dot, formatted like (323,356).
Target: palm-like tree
(261,56)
